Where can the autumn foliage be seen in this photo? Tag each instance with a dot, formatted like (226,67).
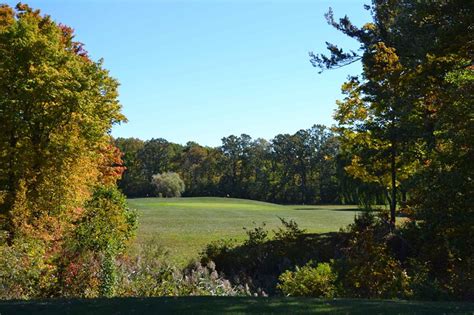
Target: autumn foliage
(56,110)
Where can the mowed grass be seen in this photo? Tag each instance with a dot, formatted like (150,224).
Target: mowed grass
(186,225)
(231,305)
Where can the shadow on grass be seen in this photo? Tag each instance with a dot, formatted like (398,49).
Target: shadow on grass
(233,305)
(329,209)
(259,264)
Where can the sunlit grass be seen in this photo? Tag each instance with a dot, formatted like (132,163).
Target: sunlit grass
(186,225)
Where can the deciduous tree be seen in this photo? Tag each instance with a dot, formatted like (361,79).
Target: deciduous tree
(57,107)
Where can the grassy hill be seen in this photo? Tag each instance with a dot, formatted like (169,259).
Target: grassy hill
(186,225)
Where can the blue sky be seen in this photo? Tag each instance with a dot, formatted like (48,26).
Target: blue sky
(202,70)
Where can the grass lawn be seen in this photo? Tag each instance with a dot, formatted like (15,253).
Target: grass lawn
(185,225)
(231,305)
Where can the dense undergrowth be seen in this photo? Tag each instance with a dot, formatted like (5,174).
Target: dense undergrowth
(367,259)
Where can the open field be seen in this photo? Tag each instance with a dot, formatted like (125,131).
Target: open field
(231,305)
(186,225)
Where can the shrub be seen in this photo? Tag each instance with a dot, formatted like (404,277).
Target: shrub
(107,223)
(423,285)
(222,250)
(168,184)
(259,260)
(311,281)
(149,273)
(24,271)
(80,275)
(256,236)
(88,261)
(462,279)
(368,269)
(205,280)
(444,259)
(289,232)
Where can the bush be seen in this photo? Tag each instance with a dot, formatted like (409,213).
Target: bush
(462,279)
(80,275)
(289,232)
(149,273)
(146,273)
(423,285)
(24,271)
(368,268)
(259,260)
(441,244)
(311,281)
(205,280)
(168,184)
(107,223)
(102,233)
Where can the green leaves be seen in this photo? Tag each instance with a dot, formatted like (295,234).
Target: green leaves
(168,184)
(57,107)
(107,223)
(318,281)
(407,125)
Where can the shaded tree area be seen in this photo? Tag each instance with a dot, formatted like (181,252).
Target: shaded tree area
(417,71)
(406,125)
(304,168)
(142,160)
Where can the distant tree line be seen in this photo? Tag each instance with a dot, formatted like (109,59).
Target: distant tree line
(305,167)
(404,133)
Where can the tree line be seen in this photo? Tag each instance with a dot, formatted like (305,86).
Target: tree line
(404,135)
(301,168)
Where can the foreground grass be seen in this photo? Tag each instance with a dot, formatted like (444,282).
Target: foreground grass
(185,225)
(230,305)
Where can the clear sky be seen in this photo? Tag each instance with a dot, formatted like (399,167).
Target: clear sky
(203,69)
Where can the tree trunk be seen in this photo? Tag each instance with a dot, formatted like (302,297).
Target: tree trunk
(304,184)
(404,197)
(393,197)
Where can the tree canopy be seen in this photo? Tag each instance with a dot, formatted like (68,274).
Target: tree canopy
(407,123)
(57,107)
(297,168)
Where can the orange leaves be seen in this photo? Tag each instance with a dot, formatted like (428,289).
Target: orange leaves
(111,165)
(6,16)
(55,122)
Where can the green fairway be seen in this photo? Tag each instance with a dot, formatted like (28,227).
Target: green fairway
(186,225)
(230,305)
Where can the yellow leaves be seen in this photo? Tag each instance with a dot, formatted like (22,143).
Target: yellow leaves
(6,16)
(369,27)
(382,63)
(352,108)
(385,56)
(58,108)
(3,196)
(358,170)
(371,159)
